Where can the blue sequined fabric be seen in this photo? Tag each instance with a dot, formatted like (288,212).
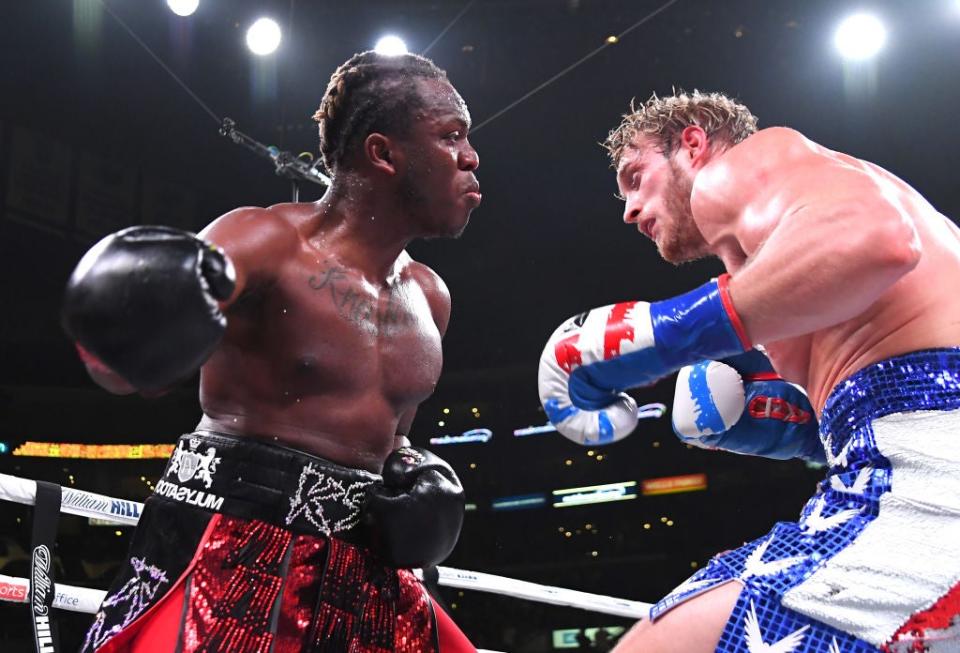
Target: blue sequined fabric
(846,501)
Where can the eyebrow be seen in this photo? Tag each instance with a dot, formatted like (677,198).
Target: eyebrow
(626,171)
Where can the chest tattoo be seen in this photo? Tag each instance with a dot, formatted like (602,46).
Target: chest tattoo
(359,307)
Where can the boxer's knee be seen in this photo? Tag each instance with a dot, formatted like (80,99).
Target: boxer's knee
(694,626)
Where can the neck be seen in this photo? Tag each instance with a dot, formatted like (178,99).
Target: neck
(365,226)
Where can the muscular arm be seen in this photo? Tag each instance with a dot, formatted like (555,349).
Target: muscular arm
(254,239)
(823,236)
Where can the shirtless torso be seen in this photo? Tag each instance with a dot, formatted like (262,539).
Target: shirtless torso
(781,210)
(318,355)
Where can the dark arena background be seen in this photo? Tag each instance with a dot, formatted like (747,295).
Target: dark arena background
(109,117)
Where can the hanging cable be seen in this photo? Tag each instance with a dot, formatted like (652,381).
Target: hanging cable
(179,81)
(566,70)
(447,28)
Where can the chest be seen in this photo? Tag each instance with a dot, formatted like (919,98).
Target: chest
(327,329)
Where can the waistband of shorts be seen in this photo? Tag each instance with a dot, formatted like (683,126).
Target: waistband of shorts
(928,379)
(249,478)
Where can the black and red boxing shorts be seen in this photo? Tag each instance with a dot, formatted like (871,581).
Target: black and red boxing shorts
(248,547)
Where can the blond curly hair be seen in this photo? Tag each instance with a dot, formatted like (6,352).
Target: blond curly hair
(665,118)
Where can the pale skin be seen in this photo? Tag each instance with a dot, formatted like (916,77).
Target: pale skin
(835,264)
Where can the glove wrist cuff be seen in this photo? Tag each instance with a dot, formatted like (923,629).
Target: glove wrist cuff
(723,287)
(699,324)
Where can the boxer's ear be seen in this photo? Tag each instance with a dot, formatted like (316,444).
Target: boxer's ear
(380,152)
(694,143)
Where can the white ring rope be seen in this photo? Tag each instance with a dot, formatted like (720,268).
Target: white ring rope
(122,511)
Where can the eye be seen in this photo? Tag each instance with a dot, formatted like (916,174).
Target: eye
(618,195)
(454,135)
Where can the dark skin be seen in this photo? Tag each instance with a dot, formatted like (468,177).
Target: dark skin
(334,332)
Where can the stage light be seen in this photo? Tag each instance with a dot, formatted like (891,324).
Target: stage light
(860,37)
(263,37)
(390,46)
(183,7)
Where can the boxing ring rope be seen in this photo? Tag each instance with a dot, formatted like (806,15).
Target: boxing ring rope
(125,512)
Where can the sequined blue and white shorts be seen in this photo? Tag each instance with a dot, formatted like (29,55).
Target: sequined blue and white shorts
(873,563)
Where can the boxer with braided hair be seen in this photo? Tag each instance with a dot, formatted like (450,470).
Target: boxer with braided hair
(290,519)
(370,92)
(845,273)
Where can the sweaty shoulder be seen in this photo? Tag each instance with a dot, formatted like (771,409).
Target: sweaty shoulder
(732,180)
(433,287)
(752,160)
(256,239)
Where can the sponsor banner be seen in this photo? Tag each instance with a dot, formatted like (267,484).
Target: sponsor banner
(97,506)
(10,591)
(580,496)
(673,484)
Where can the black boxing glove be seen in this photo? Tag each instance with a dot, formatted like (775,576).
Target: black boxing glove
(143,303)
(415,515)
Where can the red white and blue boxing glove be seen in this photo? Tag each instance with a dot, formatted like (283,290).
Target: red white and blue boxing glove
(593,357)
(741,405)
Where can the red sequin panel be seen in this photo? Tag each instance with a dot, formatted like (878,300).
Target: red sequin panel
(414,632)
(940,624)
(300,593)
(234,588)
(365,608)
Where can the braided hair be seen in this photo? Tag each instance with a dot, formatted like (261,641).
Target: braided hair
(369,93)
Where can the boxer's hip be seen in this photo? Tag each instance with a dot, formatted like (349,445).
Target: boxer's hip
(257,547)
(252,479)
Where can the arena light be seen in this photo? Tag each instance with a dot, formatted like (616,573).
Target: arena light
(263,37)
(473,435)
(519,502)
(183,7)
(390,46)
(646,411)
(567,638)
(673,485)
(94,451)
(860,37)
(579,496)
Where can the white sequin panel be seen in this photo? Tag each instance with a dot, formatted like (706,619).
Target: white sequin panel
(909,556)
